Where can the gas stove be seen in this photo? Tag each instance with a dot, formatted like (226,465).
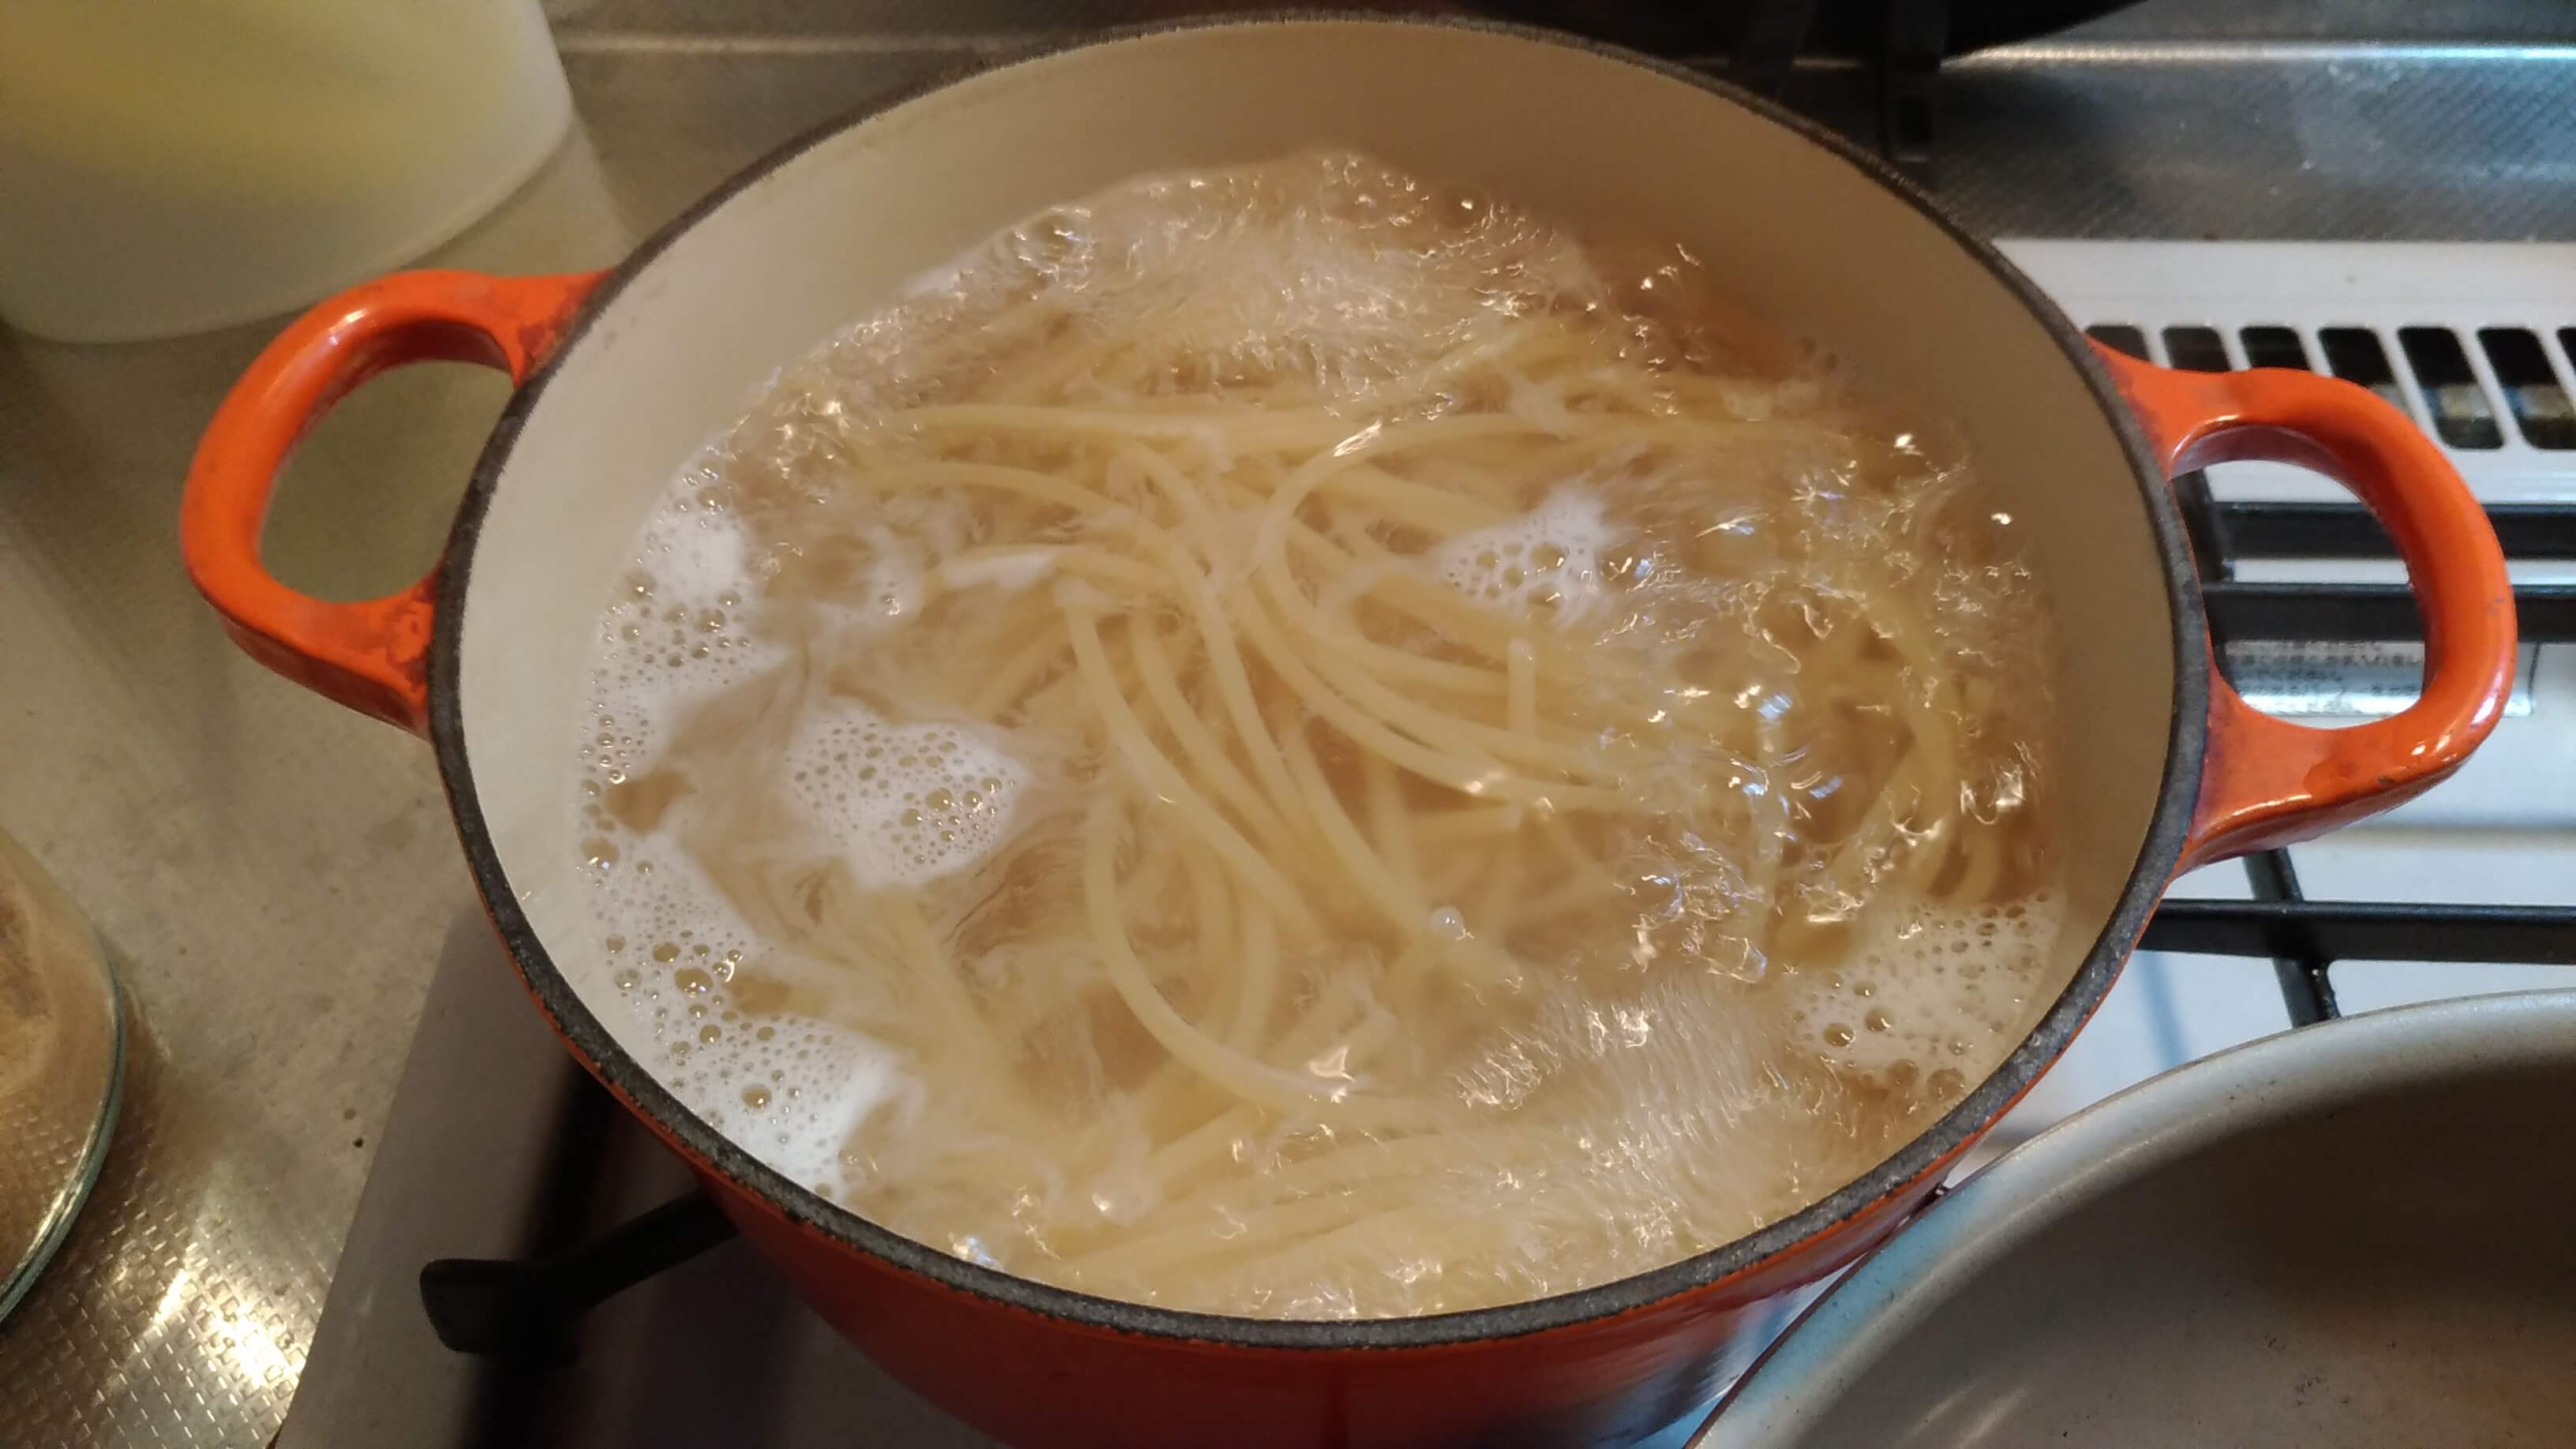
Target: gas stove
(535,1196)
(596,1300)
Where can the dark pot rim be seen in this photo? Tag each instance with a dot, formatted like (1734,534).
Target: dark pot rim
(591,1041)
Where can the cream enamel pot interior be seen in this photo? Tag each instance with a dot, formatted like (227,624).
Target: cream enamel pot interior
(626,374)
(2353,1234)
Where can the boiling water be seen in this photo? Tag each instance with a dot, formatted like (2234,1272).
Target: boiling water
(1298,742)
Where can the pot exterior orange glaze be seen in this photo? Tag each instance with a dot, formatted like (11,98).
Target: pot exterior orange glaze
(373,655)
(1036,1379)
(1032,1380)
(1042,1367)
(2268,782)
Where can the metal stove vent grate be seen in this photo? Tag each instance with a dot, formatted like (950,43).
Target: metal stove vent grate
(2477,342)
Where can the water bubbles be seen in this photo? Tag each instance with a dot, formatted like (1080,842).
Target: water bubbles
(1548,560)
(1929,990)
(909,802)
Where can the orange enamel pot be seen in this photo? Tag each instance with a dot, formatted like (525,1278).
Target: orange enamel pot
(624,374)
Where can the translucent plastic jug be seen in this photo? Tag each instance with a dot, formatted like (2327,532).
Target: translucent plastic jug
(168,166)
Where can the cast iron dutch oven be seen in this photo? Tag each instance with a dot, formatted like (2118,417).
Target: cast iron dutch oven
(623,375)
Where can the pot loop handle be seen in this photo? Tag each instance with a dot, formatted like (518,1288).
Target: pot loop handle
(373,655)
(2268,782)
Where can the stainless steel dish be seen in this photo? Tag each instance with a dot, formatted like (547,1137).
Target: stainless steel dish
(2358,1234)
(62,1061)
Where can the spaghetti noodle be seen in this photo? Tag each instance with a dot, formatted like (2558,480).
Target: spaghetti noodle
(1348,754)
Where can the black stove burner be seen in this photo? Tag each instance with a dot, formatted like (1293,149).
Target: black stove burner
(525,1309)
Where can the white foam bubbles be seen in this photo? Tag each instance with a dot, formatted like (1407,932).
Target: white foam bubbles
(1550,556)
(804,1131)
(906,803)
(1932,988)
(789,1089)
(696,552)
(674,633)
(672,946)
